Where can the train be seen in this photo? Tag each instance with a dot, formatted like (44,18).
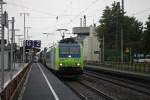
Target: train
(65,58)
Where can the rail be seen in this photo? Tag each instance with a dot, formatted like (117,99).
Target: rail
(13,88)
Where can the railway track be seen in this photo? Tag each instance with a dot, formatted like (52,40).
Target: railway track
(88,92)
(135,86)
(116,88)
(98,86)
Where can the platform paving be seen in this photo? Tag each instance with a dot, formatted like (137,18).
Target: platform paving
(129,73)
(44,85)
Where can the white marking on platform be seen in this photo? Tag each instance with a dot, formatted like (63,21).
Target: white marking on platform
(50,86)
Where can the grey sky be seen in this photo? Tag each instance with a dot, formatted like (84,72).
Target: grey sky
(43,13)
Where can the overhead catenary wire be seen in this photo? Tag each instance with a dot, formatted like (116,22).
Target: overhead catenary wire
(91,4)
(35,10)
(39,11)
(50,15)
(53,15)
(140,12)
(75,16)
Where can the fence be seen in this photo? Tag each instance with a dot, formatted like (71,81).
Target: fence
(12,90)
(133,67)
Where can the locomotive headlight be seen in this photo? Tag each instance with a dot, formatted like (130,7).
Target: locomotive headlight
(69,56)
(61,64)
(78,64)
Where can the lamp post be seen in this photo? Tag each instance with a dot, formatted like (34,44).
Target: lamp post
(122,44)
(100,50)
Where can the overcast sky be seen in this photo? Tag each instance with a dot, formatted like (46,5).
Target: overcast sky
(43,13)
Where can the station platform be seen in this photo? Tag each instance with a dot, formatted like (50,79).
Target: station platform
(41,84)
(144,76)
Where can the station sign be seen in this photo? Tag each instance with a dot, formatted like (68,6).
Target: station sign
(37,43)
(29,44)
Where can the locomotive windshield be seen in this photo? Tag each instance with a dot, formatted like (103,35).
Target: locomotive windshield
(69,50)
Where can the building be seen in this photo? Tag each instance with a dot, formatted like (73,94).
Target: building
(91,48)
(87,37)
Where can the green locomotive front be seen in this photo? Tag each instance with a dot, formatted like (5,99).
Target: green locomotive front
(66,58)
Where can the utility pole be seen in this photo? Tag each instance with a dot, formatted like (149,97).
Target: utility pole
(2,42)
(24,16)
(12,49)
(8,31)
(103,50)
(84,22)
(100,51)
(122,32)
(123,7)
(80,22)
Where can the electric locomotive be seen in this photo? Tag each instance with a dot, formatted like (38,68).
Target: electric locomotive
(65,58)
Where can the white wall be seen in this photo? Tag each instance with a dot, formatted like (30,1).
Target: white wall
(91,44)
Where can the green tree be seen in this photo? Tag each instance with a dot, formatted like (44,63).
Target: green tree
(132,33)
(110,26)
(146,37)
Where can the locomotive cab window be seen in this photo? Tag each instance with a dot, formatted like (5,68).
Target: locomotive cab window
(70,50)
